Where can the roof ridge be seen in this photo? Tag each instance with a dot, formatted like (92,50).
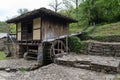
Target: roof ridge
(38,11)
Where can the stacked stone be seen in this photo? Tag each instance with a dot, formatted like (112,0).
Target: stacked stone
(101,48)
(95,63)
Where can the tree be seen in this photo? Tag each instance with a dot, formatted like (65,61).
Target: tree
(72,4)
(100,11)
(55,5)
(22,11)
(68,8)
(4,27)
(90,12)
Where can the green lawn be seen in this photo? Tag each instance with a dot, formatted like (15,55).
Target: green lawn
(2,56)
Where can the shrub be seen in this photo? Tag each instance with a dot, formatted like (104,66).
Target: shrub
(22,69)
(112,38)
(75,44)
(84,36)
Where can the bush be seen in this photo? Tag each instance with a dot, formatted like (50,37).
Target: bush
(84,36)
(112,38)
(75,44)
(22,69)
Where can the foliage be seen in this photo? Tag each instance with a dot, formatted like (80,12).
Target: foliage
(7,28)
(56,5)
(85,36)
(99,11)
(107,33)
(4,27)
(92,11)
(13,28)
(105,30)
(22,69)
(75,44)
(2,56)
(22,11)
(111,38)
(68,12)
(73,29)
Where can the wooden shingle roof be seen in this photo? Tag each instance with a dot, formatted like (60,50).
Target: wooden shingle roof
(42,12)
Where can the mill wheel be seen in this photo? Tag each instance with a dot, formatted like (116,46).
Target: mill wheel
(57,48)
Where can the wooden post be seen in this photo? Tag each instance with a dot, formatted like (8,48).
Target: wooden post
(40,54)
(40,47)
(16,39)
(67,39)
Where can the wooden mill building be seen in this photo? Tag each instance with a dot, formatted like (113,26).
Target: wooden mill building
(35,28)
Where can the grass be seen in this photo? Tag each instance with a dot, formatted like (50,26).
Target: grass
(100,30)
(22,69)
(105,30)
(2,56)
(75,29)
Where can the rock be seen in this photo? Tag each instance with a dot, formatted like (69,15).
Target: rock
(92,62)
(7,69)
(57,72)
(103,48)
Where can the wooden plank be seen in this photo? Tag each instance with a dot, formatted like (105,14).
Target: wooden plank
(18,26)
(19,36)
(53,29)
(16,32)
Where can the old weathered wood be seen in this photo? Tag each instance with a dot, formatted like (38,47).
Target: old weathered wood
(37,27)
(53,29)
(57,47)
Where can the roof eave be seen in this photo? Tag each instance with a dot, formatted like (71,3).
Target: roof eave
(41,12)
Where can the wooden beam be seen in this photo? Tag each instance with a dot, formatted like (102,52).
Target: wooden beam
(16,31)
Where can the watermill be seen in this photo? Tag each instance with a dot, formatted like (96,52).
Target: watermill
(53,50)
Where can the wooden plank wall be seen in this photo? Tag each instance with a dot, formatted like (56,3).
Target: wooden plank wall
(52,29)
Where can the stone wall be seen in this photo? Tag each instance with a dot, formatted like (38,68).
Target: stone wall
(103,48)
(2,46)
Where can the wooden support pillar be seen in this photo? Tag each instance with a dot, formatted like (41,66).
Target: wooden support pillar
(67,47)
(40,54)
(19,51)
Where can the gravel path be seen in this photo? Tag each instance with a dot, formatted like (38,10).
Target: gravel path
(16,63)
(49,72)
(57,72)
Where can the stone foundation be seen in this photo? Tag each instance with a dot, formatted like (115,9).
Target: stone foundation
(102,48)
(10,50)
(90,62)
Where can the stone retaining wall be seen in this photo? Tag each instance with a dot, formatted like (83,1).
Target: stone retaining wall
(103,48)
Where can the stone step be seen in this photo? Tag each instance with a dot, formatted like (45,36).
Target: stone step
(92,62)
(31,58)
(34,51)
(30,55)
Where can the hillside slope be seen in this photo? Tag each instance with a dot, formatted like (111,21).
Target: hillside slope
(4,27)
(105,30)
(106,33)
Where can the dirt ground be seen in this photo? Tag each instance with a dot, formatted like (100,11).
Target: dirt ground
(49,72)
(56,72)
